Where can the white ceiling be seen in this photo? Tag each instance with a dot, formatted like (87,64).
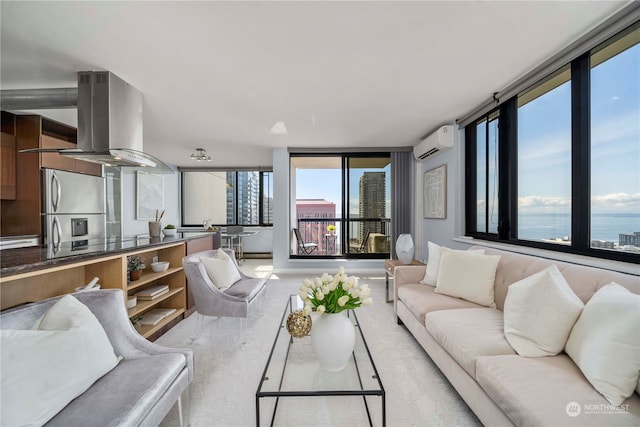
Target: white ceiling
(219,75)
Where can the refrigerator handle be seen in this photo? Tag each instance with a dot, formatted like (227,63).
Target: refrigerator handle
(55,196)
(55,236)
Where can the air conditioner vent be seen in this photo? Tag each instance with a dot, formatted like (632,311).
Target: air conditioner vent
(440,140)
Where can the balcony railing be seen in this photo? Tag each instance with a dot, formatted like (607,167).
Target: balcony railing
(365,237)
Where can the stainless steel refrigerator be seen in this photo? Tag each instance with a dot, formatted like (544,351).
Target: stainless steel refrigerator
(74,207)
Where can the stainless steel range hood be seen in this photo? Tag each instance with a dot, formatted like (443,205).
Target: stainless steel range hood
(109,122)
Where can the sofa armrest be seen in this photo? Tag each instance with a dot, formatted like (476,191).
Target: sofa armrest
(405,274)
(108,306)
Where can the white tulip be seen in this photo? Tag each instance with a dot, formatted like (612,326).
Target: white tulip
(317,282)
(319,296)
(308,283)
(352,280)
(341,270)
(355,292)
(320,309)
(303,295)
(365,292)
(367,301)
(343,300)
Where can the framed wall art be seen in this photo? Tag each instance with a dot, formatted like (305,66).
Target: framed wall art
(435,193)
(149,195)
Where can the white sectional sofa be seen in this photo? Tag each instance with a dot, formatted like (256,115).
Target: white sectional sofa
(467,342)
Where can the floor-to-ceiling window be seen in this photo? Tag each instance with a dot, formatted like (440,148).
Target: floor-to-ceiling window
(341,205)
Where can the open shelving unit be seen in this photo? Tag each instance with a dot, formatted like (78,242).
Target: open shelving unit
(112,273)
(173,277)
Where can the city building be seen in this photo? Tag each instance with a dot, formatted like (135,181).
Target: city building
(372,204)
(629,239)
(320,213)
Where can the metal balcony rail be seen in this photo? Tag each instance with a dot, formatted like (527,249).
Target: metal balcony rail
(352,237)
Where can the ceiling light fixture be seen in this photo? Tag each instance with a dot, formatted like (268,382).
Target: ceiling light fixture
(200,154)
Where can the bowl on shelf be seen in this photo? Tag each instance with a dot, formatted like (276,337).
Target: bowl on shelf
(132,301)
(160,266)
(169,231)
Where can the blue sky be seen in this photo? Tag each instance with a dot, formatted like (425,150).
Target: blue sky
(326,184)
(544,142)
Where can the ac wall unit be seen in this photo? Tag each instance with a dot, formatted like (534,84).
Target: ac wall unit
(440,140)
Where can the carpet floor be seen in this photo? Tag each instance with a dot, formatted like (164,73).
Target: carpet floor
(227,371)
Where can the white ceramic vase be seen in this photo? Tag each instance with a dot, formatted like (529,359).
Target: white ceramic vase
(333,337)
(404,248)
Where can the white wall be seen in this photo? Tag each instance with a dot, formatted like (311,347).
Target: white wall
(442,231)
(130,225)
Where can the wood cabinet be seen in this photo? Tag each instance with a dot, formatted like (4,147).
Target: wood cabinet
(112,273)
(8,157)
(21,214)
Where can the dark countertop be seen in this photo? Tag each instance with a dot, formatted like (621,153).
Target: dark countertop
(22,260)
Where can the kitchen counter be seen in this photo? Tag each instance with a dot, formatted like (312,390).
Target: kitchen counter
(21,260)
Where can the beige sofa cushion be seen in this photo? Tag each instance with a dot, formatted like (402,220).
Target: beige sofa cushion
(469,333)
(464,274)
(584,281)
(537,392)
(421,299)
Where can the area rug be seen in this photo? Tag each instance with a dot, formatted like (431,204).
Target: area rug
(228,370)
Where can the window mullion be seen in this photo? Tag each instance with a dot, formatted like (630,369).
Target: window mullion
(508,170)
(471,180)
(580,153)
(487,184)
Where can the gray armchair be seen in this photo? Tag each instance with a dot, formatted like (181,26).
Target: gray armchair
(240,300)
(141,389)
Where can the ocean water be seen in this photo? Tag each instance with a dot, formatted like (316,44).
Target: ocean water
(603,226)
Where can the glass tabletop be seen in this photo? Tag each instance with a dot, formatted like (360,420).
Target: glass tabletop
(293,370)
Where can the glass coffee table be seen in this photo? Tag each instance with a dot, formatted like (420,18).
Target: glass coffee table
(292,378)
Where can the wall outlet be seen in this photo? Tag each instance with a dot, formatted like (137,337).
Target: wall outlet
(155,259)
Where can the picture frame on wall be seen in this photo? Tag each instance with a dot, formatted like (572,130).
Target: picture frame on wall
(435,193)
(149,195)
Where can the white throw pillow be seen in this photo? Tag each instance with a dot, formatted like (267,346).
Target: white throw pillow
(468,276)
(605,342)
(46,368)
(433,263)
(221,270)
(539,312)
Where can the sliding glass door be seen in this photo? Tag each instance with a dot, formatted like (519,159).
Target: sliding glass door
(340,205)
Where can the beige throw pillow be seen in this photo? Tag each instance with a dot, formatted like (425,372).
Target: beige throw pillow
(45,368)
(605,342)
(433,263)
(221,270)
(539,312)
(468,276)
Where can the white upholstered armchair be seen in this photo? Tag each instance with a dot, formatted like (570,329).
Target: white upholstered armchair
(240,299)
